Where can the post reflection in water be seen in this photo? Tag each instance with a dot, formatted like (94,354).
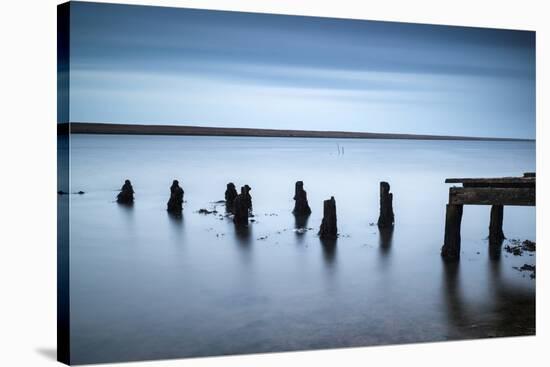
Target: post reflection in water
(513,304)
(176,224)
(452,294)
(127,211)
(300,226)
(385,240)
(495,250)
(329,250)
(507,310)
(244,237)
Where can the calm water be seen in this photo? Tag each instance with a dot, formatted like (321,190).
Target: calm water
(145,285)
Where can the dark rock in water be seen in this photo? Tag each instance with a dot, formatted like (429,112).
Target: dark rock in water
(516,247)
(386,218)
(515,250)
(206,211)
(240,211)
(175,203)
(126,195)
(529,246)
(328,229)
(301,207)
(527,267)
(230,196)
(60,192)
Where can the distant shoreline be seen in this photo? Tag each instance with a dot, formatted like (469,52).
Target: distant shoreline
(130,129)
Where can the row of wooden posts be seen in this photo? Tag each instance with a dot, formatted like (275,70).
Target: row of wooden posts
(240,205)
(496,192)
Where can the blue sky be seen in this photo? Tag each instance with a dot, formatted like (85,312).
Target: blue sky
(157,65)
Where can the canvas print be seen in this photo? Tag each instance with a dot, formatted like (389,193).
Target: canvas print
(234,183)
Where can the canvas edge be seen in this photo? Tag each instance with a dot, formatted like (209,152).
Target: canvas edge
(63,184)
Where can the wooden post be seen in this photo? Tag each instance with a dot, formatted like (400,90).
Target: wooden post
(386,217)
(126,195)
(451,245)
(240,210)
(301,207)
(175,203)
(245,192)
(328,229)
(496,235)
(230,195)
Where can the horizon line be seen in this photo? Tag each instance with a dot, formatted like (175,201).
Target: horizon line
(193,130)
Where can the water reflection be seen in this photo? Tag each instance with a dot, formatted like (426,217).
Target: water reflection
(513,305)
(495,249)
(452,294)
(300,226)
(495,266)
(329,250)
(420,296)
(176,223)
(127,210)
(244,237)
(509,307)
(385,240)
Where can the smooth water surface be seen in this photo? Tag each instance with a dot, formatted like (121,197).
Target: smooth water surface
(145,285)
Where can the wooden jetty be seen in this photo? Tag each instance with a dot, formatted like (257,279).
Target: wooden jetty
(497,192)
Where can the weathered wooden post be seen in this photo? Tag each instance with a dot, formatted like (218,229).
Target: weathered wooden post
(126,194)
(328,229)
(496,235)
(175,203)
(386,218)
(240,210)
(245,192)
(453,219)
(230,195)
(301,206)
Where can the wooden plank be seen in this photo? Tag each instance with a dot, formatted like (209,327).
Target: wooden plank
(495,182)
(523,196)
(500,184)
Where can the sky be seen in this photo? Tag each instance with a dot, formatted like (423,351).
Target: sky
(158,65)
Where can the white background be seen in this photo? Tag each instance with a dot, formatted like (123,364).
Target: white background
(28,182)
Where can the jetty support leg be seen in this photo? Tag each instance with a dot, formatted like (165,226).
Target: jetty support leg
(451,245)
(496,235)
